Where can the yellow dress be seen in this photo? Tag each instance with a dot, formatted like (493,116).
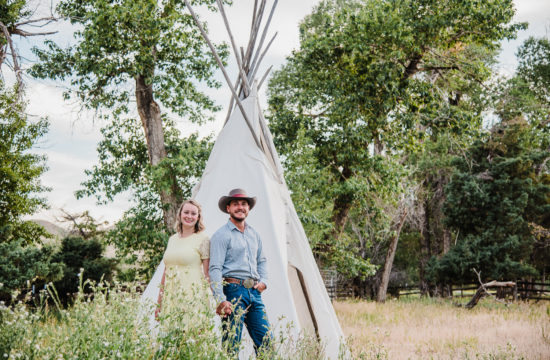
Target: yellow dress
(184,281)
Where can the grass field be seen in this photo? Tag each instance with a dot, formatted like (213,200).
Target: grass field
(107,328)
(436,329)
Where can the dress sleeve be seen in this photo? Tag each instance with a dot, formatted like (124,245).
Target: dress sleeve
(204,248)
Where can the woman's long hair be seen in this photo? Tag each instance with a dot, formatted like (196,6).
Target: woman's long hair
(199,226)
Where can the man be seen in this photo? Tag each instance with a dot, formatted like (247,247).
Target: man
(238,274)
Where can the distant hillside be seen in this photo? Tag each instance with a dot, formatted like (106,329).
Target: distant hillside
(59,233)
(56,230)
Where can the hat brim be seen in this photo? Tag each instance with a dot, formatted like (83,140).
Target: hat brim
(225,200)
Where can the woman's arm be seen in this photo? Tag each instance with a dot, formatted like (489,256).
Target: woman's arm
(161,294)
(205,265)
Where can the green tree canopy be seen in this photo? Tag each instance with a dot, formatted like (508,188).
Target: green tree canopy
(20,170)
(365,85)
(135,51)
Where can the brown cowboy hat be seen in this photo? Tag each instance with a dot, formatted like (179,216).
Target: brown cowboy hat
(235,194)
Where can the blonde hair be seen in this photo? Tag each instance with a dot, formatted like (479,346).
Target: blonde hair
(199,226)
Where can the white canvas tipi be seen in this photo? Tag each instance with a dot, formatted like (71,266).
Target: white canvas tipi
(244,157)
(296,292)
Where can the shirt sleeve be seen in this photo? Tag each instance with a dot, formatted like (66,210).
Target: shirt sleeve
(204,248)
(261,261)
(218,249)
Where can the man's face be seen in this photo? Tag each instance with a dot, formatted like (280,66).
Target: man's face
(238,209)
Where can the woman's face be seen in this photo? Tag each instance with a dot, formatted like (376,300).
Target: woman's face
(189,216)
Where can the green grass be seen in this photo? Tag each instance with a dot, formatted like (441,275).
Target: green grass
(108,327)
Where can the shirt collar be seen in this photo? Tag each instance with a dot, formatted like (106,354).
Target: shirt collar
(234,227)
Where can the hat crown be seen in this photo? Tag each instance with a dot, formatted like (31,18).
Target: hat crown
(237,193)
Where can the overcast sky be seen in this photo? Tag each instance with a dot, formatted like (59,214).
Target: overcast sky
(71,142)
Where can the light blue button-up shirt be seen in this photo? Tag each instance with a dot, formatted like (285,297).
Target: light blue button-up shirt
(235,254)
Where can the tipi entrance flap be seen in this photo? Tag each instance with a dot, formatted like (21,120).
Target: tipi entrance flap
(304,309)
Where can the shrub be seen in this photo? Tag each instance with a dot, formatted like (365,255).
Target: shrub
(23,265)
(81,256)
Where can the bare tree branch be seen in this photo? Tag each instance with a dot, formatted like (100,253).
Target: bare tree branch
(16,67)
(47,20)
(28,34)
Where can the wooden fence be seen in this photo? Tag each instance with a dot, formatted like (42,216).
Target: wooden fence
(522,291)
(339,289)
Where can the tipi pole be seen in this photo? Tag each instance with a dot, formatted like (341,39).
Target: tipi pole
(219,61)
(230,108)
(235,50)
(262,56)
(253,18)
(263,77)
(253,36)
(264,33)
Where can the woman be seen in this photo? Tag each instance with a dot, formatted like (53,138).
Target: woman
(186,259)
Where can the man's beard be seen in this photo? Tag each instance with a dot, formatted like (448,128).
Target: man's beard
(237,219)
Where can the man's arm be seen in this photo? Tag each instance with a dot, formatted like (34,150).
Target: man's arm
(261,261)
(218,249)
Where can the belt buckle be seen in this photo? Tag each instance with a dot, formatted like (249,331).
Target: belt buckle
(248,283)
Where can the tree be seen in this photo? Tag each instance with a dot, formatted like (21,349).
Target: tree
(23,263)
(83,260)
(83,224)
(144,50)
(534,66)
(124,167)
(20,170)
(361,65)
(15,19)
(526,94)
(494,200)
(23,266)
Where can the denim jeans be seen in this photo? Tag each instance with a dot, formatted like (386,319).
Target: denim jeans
(250,310)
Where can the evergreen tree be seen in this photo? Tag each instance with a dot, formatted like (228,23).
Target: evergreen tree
(495,200)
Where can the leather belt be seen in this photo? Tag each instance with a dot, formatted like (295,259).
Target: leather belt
(247,283)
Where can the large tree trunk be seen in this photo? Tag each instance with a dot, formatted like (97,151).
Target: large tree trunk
(340,211)
(446,241)
(381,295)
(342,205)
(425,248)
(150,115)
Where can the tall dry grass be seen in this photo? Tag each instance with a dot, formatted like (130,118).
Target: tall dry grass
(432,329)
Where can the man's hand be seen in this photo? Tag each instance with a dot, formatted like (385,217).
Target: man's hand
(224,309)
(260,286)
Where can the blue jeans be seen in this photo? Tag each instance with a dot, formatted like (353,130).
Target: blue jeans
(250,310)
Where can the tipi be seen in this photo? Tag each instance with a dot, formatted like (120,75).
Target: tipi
(244,157)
